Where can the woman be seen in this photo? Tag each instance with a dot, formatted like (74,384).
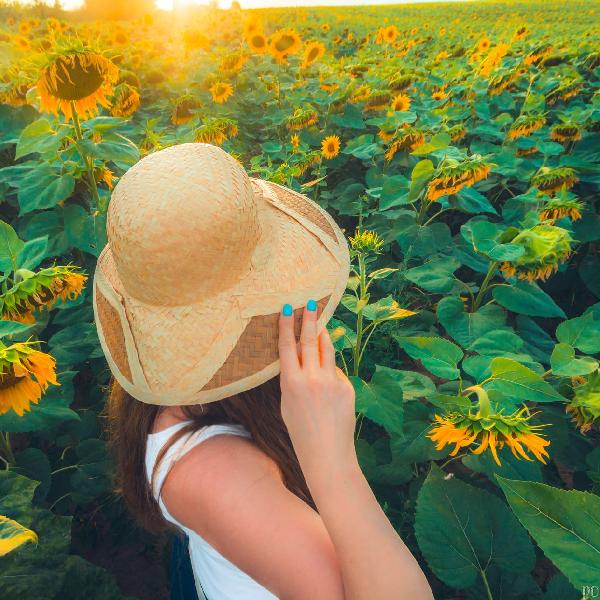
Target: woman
(198,256)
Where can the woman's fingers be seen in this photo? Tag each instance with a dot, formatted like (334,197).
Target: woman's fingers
(327,351)
(309,338)
(288,352)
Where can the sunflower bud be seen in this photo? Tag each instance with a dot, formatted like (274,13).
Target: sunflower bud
(545,247)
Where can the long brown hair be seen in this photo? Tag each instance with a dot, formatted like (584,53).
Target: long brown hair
(129,422)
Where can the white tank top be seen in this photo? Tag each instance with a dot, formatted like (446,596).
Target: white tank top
(216,578)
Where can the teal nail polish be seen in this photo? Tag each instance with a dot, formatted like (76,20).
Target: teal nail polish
(287,310)
(311,305)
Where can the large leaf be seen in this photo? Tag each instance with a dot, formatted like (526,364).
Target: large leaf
(13,535)
(435,276)
(527,299)
(517,381)
(10,246)
(463,530)
(582,333)
(466,327)
(564,363)
(380,399)
(564,523)
(439,356)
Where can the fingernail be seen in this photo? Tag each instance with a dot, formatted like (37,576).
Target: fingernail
(311,305)
(287,310)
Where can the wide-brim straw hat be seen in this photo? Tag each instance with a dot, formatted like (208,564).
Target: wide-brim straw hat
(199,262)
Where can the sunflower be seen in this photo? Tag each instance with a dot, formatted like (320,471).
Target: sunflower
(545,248)
(232,62)
(215,130)
(559,207)
(105,175)
(378,100)
(493,59)
(401,102)
(312,53)
(400,82)
(251,26)
(389,34)
(330,147)
(520,33)
(526,151)
(537,54)
(221,91)
(306,161)
(194,39)
(184,109)
(490,429)
(452,175)
(366,242)
(325,27)
(295,141)
(120,38)
(283,43)
(37,291)
(483,45)
(302,117)
(258,42)
(498,83)
(584,407)
(566,132)
(550,180)
(77,79)
(439,93)
(126,101)
(407,139)
(360,94)
(525,125)
(564,91)
(457,132)
(24,375)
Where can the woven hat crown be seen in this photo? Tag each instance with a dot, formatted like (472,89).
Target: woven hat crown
(182,224)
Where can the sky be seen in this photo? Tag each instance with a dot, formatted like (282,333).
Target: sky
(169,4)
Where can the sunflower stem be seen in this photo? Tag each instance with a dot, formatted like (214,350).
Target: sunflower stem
(486,585)
(359,315)
(484,285)
(89,161)
(6,448)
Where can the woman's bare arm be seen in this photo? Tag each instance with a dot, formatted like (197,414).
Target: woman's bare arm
(318,407)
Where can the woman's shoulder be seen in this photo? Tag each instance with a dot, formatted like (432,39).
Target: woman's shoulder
(222,464)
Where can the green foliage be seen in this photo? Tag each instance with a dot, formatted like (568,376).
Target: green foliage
(473,298)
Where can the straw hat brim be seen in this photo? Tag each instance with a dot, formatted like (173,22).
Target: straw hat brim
(226,343)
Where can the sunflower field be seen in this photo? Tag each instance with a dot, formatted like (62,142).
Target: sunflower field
(457,145)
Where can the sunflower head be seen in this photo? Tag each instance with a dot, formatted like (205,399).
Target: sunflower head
(330,146)
(566,132)
(562,205)
(126,101)
(484,428)
(525,125)
(221,91)
(215,130)
(76,78)
(452,175)
(312,53)
(366,242)
(550,180)
(38,291)
(545,248)
(283,43)
(184,109)
(302,117)
(25,373)
(584,407)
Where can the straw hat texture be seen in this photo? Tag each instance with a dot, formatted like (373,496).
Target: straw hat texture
(199,262)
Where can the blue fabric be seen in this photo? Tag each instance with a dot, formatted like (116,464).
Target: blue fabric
(182,583)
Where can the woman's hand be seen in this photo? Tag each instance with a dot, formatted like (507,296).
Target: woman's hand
(317,400)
